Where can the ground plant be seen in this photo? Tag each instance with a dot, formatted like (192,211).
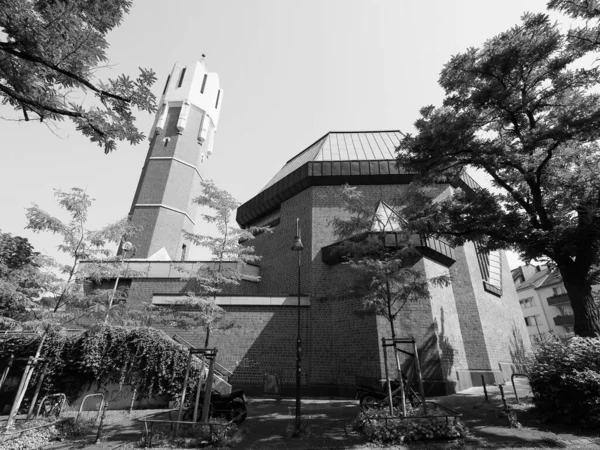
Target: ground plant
(219,433)
(381,427)
(565,380)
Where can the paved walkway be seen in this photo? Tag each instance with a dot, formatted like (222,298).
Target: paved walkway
(271,421)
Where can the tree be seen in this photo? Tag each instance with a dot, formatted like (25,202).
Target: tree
(80,243)
(519,109)
(23,281)
(49,52)
(385,277)
(231,244)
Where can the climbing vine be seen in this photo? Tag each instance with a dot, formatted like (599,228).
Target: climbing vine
(145,357)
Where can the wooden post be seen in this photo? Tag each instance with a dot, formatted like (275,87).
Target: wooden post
(208,388)
(387,375)
(182,400)
(402,393)
(24,383)
(99,435)
(6,370)
(37,390)
(198,392)
(418,367)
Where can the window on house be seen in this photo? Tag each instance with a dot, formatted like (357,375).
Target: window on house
(203,83)
(559,290)
(181,78)
(531,321)
(166,84)
(566,310)
(526,302)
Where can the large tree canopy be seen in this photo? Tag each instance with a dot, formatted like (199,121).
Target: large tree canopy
(523,109)
(49,53)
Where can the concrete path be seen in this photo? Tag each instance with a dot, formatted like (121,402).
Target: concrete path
(270,425)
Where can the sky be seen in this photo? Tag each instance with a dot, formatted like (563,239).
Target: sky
(291,71)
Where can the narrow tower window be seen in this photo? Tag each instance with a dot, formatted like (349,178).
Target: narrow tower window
(203,83)
(166,84)
(218,95)
(181,78)
(183,251)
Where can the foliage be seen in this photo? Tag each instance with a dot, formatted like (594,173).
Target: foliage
(231,244)
(31,440)
(22,280)
(221,435)
(378,426)
(109,354)
(523,109)
(79,244)
(565,380)
(50,51)
(385,277)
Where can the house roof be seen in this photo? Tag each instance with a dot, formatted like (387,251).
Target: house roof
(553,278)
(533,281)
(344,146)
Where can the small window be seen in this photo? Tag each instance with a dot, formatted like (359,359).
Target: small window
(183,251)
(526,303)
(166,85)
(531,321)
(559,290)
(566,310)
(181,78)
(218,95)
(203,83)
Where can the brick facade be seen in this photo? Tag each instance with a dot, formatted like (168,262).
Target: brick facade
(462,331)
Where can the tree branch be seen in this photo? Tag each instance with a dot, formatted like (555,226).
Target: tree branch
(6,48)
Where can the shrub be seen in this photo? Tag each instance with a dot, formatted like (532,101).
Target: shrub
(379,426)
(565,380)
(108,354)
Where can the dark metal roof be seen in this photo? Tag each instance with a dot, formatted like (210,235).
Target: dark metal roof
(358,158)
(344,146)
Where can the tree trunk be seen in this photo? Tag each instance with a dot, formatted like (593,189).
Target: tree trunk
(207,340)
(585,310)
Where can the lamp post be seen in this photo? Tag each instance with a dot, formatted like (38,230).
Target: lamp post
(298,247)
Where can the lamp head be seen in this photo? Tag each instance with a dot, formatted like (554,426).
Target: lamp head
(297,246)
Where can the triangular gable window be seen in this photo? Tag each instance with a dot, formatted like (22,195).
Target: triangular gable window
(386,219)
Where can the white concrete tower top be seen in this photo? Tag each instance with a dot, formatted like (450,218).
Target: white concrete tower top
(192,85)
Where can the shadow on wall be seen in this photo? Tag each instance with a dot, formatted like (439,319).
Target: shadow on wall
(518,352)
(436,357)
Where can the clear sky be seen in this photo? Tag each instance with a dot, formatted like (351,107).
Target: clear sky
(290,70)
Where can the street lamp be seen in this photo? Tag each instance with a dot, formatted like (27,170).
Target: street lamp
(298,247)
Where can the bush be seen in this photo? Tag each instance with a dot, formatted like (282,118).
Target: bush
(378,426)
(565,380)
(30,440)
(108,354)
(221,434)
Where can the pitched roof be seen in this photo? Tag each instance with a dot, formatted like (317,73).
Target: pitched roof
(533,281)
(553,278)
(344,146)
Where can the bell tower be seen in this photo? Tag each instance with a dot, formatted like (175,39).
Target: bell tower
(181,138)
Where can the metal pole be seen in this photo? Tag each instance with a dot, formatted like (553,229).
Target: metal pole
(387,375)
(298,345)
(37,390)
(182,400)
(99,435)
(418,366)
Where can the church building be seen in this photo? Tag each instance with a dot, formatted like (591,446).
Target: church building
(471,328)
